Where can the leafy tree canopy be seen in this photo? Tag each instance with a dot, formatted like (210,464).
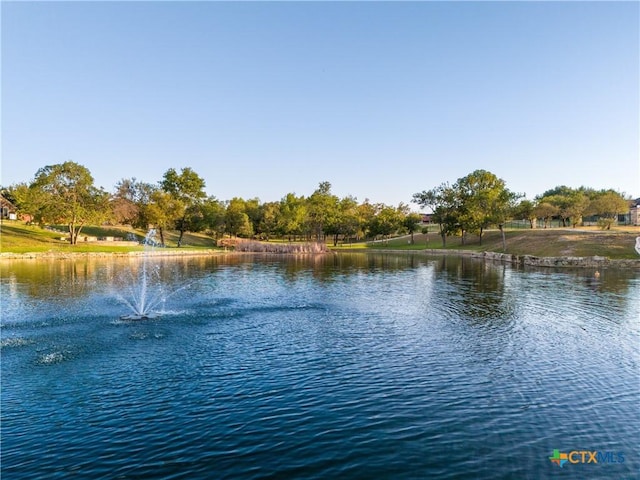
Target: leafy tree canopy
(65,193)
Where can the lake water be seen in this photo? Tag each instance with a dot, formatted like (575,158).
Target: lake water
(351,366)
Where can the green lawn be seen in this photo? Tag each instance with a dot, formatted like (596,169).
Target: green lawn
(16,237)
(615,244)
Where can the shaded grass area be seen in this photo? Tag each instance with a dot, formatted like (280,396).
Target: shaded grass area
(16,237)
(170,237)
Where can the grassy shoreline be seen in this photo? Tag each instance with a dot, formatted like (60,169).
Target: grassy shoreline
(558,242)
(21,241)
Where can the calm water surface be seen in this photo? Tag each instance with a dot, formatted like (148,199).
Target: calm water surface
(352,366)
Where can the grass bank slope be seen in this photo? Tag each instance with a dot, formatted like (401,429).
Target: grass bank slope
(559,242)
(619,243)
(16,237)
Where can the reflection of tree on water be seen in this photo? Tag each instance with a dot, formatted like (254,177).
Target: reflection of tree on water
(51,278)
(480,292)
(332,266)
(483,282)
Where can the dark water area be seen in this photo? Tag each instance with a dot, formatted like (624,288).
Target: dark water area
(350,366)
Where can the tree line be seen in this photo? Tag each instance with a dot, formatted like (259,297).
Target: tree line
(481,200)
(65,194)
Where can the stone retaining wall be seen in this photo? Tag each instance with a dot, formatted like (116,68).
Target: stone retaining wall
(523,260)
(531,260)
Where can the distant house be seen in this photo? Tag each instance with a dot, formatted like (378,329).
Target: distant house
(634,212)
(631,217)
(427,218)
(7,209)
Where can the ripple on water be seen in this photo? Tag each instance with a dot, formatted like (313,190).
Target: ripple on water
(52,358)
(146,335)
(13,342)
(406,373)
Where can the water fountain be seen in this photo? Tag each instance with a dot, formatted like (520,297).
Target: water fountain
(146,292)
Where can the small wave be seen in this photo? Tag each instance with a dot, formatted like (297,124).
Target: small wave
(51,358)
(145,336)
(15,342)
(172,312)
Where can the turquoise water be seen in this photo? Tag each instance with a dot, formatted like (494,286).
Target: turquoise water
(350,366)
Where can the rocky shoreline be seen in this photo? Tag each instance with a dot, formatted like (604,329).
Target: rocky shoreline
(534,261)
(531,260)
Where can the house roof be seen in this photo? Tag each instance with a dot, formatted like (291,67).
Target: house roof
(4,203)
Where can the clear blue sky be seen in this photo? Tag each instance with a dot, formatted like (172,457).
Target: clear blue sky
(380,99)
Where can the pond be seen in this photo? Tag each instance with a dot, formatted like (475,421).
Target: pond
(352,366)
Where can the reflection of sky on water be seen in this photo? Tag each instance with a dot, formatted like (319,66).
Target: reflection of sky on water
(454,362)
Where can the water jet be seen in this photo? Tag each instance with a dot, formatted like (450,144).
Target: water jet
(145,291)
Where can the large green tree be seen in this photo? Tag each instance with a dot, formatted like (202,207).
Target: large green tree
(410,223)
(444,203)
(323,210)
(525,210)
(237,222)
(254,211)
(65,193)
(472,204)
(347,222)
(485,201)
(187,189)
(130,200)
(293,216)
(571,203)
(162,211)
(269,220)
(364,214)
(607,205)
(503,208)
(213,217)
(575,208)
(387,221)
(546,211)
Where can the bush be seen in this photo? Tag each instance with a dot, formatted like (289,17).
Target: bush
(260,247)
(605,223)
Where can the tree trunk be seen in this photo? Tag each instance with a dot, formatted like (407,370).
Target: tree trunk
(180,238)
(444,239)
(411,238)
(75,242)
(480,236)
(161,236)
(73,233)
(504,240)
